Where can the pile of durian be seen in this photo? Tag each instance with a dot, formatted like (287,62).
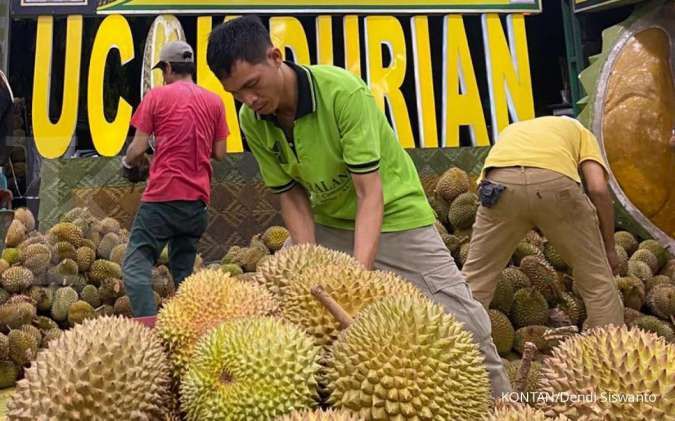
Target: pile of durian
(57,279)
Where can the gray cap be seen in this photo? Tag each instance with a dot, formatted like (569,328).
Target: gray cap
(175,52)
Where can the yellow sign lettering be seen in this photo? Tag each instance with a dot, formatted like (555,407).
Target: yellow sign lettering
(352,44)
(424,83)
(508,68)
(207,80)
(324,39)
(108,137)
(52,139)
(287,32)
(461,98)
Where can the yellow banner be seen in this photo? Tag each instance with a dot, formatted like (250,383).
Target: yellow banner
(315,6)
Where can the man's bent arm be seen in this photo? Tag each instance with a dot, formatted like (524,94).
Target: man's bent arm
(219,150)
(598,191)
(137,148)
(297,214)
(369,215)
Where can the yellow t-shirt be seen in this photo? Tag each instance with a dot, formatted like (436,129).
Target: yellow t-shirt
(558,144)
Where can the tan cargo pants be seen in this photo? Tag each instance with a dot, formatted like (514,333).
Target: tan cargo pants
(420,256)
(558,207)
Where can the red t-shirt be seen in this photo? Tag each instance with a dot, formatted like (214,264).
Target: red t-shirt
(186,121)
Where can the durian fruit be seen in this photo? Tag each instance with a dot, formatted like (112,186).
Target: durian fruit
(623,260)
(16,279)
(653,324)
(110,290)
(34,332)
(632,291)
(291,261)
(107,244)
(533,237)
(320,415)
(110,225)
(11,255)
(640,270)
(43,297)
(4,296)
(669,269)
(533,376)
(204,300)
(516,277)
(26,217)
(452,183)
(657,280)
(404,357)
(440,207)
(77,282)
(89,244)
(440,228)
(503,295)
(543,277)
(502,331)
(452,242)
(23,347)
(162,282)
(524,249)
(4,347)
(615,361)
(109,368)
(68,232)
(44,323)
(529,308)
(85,256)
(49,335)
(554,257)
(67,267)
(519,413)
(89,294)
(626,240)
(462,213)
(75,213)
(463,254)
(658,251)
(646,256)
(15,315)
(117,253)
(274,237)
(80,311)
(534,334)
(661,300)
(4,265)
(102,269)
(9,372)
(16,233)
(350,286)
(231,269)
(573,307)
(233,255)
(36,258)
(250,257)
(630,315)
(63,299)
(122,306)
(63,250)
(255,368)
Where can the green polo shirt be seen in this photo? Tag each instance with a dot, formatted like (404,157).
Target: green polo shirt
(338,131)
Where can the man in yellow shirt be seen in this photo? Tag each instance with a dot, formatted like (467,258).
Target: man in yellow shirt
(531,178)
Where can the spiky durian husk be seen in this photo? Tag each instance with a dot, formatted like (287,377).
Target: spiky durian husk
(289,262)
(108,368)
(612,362)
(274,237)
(203,301)
(320,415)
(404,357)
(68,232)
(350,286)
(254,368)
(520,412)
(452,183)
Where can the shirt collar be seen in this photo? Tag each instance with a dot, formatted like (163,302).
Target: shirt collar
(306,93)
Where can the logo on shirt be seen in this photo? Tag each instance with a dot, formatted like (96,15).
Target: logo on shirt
(325,190)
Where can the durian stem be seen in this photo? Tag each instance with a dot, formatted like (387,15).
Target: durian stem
(560,333)
(524,370)
(332,306)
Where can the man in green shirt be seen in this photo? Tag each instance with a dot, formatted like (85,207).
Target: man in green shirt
(344,180)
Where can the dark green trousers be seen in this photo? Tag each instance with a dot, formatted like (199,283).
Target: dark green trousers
(181,225)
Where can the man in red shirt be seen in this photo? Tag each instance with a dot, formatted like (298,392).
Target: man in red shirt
(189,126)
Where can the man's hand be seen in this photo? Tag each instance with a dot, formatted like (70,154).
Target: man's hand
(613,259)
(135,173)
(598,191)
(369,215)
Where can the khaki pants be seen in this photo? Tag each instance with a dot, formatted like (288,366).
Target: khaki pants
(420,256)
(557,206)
